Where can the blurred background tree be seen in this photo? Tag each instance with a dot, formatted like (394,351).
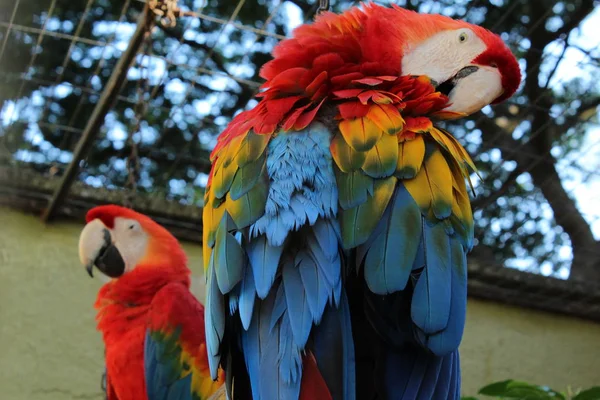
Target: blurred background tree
(536,153)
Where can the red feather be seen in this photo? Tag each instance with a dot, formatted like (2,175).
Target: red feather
(313,385)
(341,52)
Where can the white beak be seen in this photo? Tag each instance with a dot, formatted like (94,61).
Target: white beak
(476,90)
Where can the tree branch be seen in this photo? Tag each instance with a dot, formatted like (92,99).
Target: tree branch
(483,202)
(215,58)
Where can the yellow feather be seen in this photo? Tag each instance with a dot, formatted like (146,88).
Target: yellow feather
(410,157)
(211,216)
(440,183)
(461,204)
(360,133)
(457,151)
(387,118)
(432,187)
(382,159)
(418,187)
(346,158)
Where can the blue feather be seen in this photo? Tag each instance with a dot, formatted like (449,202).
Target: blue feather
(247,296)
(229,257)
(326,236)
(302,184)
(234,298)
(334,351)
(264,260)
(449,339)
(414,374)
(420,256)
(329,265)
(214,318)
(430,309)
(297,306)
(429,380)
(454,390)
(442,387)
(162,370)
(390,258)
(278,308)
(266,351)
(154,389)
(315,285)
(250,344)
(181,389)
(290,360)
(411,373)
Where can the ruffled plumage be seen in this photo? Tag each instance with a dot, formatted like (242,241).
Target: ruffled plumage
(401,215)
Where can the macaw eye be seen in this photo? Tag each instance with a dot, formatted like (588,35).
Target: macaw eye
(132,226)
(463,37)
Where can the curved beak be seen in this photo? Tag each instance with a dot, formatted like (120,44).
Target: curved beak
(472,88)
(96,248)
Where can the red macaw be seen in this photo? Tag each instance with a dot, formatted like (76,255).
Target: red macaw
(336,217)
(150,321)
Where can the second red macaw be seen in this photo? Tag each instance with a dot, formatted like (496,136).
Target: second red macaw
(151,324)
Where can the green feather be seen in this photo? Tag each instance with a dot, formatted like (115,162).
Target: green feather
(230,258)
(252,147)
(251,206)
(353,188)
(246,178)
(358,223)
(223,177)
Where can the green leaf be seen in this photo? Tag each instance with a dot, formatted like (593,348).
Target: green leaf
(589,394)
(519,390)
(469,398)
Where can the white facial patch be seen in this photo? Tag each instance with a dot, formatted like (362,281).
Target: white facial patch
(441,56)
(131,241)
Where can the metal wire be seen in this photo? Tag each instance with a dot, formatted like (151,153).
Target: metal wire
(9,27)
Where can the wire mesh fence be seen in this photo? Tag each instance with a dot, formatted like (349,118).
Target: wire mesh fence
(537,153)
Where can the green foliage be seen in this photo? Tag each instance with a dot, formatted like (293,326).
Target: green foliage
(512,389)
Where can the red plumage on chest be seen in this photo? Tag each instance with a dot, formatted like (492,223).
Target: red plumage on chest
(123,306)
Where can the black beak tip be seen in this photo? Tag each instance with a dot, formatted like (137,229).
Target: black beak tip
(90,269)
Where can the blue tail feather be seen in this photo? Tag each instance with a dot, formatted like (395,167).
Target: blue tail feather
(264,259)
(247,297)
(315,285)
(298,310)
(413,374)
(267,349)
(214,319)
(430,308)
(393,249)
(447,373)
(450,338)
(334,351)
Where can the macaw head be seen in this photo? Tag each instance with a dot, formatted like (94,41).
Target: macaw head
(468,63)
(117,239)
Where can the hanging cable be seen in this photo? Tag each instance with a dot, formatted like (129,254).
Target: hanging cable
(133,159)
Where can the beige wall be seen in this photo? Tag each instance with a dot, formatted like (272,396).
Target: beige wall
(49,348)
